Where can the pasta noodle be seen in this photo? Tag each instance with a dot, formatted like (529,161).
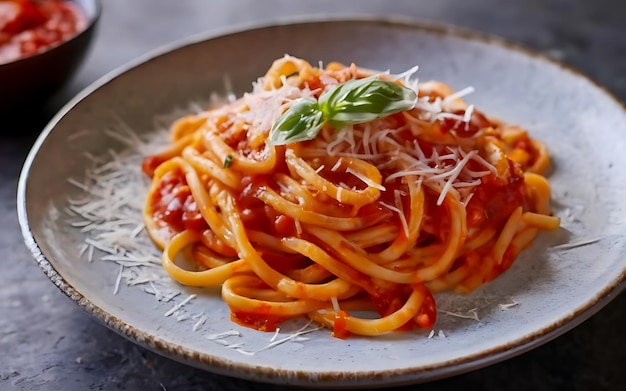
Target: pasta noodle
(367,217)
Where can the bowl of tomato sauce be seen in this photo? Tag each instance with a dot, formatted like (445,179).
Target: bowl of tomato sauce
(42,45)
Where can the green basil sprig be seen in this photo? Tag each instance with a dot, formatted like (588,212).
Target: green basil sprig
(301,122)
(353,102)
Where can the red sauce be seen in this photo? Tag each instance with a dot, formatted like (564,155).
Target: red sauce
(496,198)
(173,204)
(339,326)
(150,164)
(256,215)
(427,315)
(462,129)
(315,84)
(262,322)
(507,260)
(283,262)
(387,301)
(30,27)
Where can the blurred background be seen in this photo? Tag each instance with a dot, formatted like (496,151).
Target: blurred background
(49,343)
(584,34)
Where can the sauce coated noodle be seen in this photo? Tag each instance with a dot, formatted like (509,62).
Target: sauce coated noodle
(373,217)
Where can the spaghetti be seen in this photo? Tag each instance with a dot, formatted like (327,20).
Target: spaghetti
(366,216)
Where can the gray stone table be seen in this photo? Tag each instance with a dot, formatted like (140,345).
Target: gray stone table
(48,343)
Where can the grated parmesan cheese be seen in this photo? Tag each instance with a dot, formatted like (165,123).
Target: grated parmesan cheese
(471,314)
(405,223)
(365,179)
(508,305)
(180,305)
(306,329)
(118,280)
(199,323)
(580,243)
(109,211)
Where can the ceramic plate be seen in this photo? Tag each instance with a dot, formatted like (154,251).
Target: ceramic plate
(562,280)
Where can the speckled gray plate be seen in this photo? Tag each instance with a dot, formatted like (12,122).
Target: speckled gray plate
(553,289)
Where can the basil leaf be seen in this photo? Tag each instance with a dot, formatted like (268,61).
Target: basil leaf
(353,102)
(301,122)
(364,100)
(228,161)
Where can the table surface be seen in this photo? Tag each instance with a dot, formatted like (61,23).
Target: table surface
(47,342)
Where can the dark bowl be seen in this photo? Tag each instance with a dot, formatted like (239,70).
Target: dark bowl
(30,81)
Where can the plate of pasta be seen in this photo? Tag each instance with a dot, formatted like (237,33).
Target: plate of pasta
(360,203)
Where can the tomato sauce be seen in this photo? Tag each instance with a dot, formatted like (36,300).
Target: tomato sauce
(261,322)
(151,163)
(465,129)
(29,27)
(339,326)
(258,216)
(387,301)
(427,315)
(496,198)
(173,204)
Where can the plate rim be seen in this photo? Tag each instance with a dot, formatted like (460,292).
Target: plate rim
(326,379)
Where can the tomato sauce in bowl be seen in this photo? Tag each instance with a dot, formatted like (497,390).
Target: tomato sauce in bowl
(28,27)
(42,45)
